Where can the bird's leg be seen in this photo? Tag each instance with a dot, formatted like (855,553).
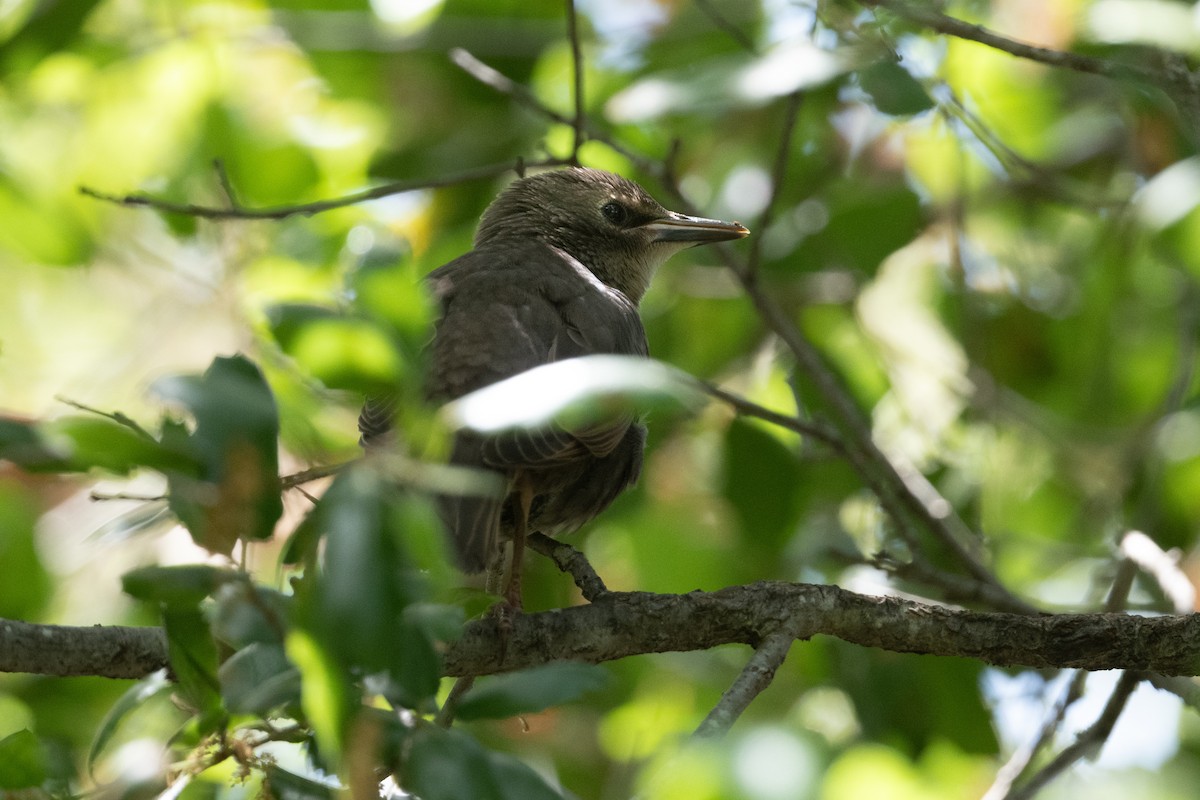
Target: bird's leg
(512,593)
(510,605)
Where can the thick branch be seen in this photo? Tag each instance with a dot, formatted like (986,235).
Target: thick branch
(625,624)
(108,651)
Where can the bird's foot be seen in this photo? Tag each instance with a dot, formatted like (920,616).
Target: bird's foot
(505,612)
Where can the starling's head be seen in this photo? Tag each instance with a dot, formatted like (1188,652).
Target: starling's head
(610,224)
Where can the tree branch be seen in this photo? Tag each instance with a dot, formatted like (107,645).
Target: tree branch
(624,624)
(753,680)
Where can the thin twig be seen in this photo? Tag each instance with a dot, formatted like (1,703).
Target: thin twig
(312,474)
(505,85)
(1087,744)
(580,118)
(791,113)
(445,716)
(572,562)
(753,680)
(139,200)
(115,416)
(937,21)
(816,430)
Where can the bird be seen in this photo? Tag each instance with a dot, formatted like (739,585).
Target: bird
(560,263)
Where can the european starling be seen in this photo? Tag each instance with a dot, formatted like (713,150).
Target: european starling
(561,261)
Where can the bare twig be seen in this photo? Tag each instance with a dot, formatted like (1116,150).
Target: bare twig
(572,562)
(580,118)
(1087,744)
(741,405)
(312,474)
(753,680)
(307,209)
(937,21)
(791,113)
(445,715)
(115,416)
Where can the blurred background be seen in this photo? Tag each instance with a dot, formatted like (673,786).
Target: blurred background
(999,258)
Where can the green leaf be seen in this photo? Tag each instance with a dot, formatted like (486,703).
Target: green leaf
(182,586)
(531,690)
(450,765)
(245,614)
(25,585)
(193,656)
(236,443)
(136,696)
(762,482)
(22,761)
(257,679)
(94,442)
(894,90)
(340,351)
(573,392)
(286,785)
(22,443)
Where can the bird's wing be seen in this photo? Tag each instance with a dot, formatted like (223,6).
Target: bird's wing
(514,306)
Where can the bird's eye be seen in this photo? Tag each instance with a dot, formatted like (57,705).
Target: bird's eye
(615,213)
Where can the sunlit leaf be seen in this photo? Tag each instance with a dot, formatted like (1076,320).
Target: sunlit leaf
(575,391)
(193,656)
(22,761)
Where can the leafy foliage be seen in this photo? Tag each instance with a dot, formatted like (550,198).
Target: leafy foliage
(996,260)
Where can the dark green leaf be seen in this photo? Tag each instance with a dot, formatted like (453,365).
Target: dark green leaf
(22,761)
(89,442)
(257,679)
(193,656)
(762,482)
(181,586)
(25,585)
(894,90)
(244,614)
(450,765)
(285,785)
(236,442)
(531,690)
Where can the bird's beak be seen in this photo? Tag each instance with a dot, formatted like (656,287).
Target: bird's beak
(682,228)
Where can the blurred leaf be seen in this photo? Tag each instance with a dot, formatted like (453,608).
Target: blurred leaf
(182,586)
(245,614)
(762,481)
(367,583)
(22,761)
(340,351)
(531,690)
(193,657)
(286,785)
(894,90)
(257,679)
(733,81)
(573,392)
(136,696)
(22,443)
(236,441)
(89,442)
(326,691)
(449,765)
(25,585)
